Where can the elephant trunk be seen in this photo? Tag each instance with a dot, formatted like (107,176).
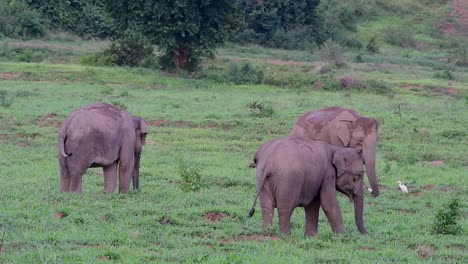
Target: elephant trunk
(369,152)
(358,211)
(136,172)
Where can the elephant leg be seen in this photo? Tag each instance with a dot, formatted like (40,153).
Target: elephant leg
(76,169)
(330,206)
(267,209)
(312,217)
(285,220)
(64,175)
(126,164)
(110,177)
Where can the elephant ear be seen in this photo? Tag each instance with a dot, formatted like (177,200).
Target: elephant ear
(343,131)
(340,162)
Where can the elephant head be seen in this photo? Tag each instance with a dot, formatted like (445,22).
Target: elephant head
(360,133)
(141,130)
(349,181)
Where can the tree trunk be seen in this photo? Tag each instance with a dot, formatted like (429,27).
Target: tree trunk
(181,58)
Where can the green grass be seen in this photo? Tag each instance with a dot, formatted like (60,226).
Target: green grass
(208,122)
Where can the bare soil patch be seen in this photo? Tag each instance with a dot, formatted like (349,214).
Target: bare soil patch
(60,215)
(49,120)
(460,14)
(429,187)
(436,163)
(268,61)
(10,75)
(445,91)
(215,216)
(413,87)
(166,123)
(253,237)
(424,251)
(416,194)
(188,124)
(447,189)
(367,248)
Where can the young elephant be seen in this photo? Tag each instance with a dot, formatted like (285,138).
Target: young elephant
(100,135)
(297,172)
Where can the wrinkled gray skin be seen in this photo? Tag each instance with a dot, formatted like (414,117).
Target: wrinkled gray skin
(343,128)
(297,172)
(100,135)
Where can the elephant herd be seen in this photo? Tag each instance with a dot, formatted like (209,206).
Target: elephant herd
(325,152)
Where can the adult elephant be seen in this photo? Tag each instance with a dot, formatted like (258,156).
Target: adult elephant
(101,135)
(298,172)
(343,127)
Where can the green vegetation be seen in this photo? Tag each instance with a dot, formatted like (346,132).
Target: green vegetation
(214,125)
(205,126)
(447,218)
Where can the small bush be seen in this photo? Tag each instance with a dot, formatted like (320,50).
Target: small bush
(459,55)
(378,87)
(446,219)
(398,36)
(119,105)
(5,101)
(17,20)
(331,53)
(128,51)
(89,59)
(372,45)
(246,74)
(261,110)
(445,74)
(25,56)
(190,173)
(358,58)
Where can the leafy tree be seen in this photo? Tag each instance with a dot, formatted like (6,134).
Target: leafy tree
(17,20)
(86,18)
(185,30)
(265,20)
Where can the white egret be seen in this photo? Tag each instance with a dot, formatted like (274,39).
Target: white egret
(403,187)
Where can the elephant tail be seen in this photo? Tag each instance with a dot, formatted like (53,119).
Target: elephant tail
(62,139)
(260,186)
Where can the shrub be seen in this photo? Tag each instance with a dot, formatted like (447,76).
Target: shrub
(119,105)
(293,39)
(378,87)
(398,36)
(261,110)
(190,173)
(17,20)
(5,101)
(372,46)
(331,53)
(88,59)
(247,74)
(445,74)
(459,55)
(127,51)
(24,56)
(446,219)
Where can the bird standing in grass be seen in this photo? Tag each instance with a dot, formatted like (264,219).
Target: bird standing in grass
(403,187)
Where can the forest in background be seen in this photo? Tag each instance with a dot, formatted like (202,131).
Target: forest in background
(178,34)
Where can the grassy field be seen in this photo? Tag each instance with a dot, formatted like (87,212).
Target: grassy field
(210,123)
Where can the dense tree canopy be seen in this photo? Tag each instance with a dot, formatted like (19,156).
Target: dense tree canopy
(184,30)
(86,18)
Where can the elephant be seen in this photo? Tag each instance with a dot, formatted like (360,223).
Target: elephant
(343,127)
(101,135)
(298,172)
